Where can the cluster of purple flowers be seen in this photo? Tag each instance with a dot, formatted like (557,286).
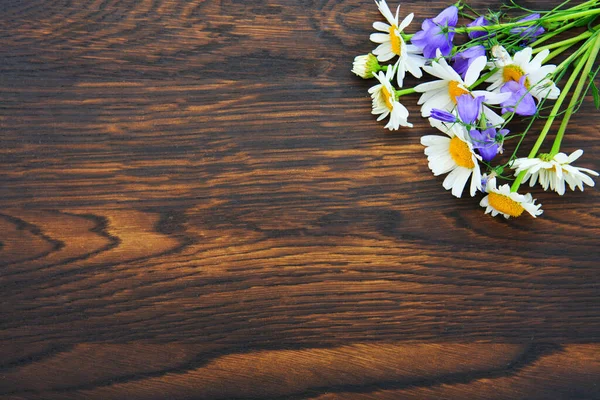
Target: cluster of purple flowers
(487,142)
(438,33)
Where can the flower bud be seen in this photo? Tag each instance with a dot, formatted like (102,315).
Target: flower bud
(366,66)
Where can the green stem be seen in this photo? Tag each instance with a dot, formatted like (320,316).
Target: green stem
(483,78)
(405,91)
(577,54)
(558,18)
(575,98)
(555,53)
(569,16)
(549,121)
(550,35)
(565,42)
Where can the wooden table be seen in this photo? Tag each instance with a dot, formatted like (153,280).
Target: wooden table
(197,204)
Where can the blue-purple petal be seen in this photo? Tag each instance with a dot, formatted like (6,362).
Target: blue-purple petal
(442,115)
(486,142)
(521,102)
(530,32)
(448,17)
(469,108)
(437,33)
(463,60)
(481,21)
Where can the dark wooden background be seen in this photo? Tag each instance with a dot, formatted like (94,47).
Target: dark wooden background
(195,203)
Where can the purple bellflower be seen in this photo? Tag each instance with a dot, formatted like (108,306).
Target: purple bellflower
(442,115)
(469,108)
(463,60)
(437,33)
(521,102)
(488,142)
(530,32)
(481,21)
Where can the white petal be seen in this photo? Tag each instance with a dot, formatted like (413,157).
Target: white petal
(406,21)
(381,26)
(427,86)
(491,97)
(379,37)
(385,11)
(522,57)
(492,117)
(539,59)
(474,70)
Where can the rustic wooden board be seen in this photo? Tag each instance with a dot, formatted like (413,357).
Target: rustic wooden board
(197,204)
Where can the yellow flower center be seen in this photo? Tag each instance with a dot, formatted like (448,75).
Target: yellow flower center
(460,153)
(395,40)
(387,98)
(454,90)
(505,204)
(514,73)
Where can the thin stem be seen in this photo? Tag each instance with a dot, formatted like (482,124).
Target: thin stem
(558,18)
(570,16)
(405,91)
(565,42)
(549,121)
(584,47)
(556,52)
(550,35)
(575,98)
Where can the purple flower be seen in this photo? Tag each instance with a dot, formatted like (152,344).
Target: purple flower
(463,60)
(442,115)
(521,102)
(481,21)
(437,33)
(488,142)
(469,108)
(529,32)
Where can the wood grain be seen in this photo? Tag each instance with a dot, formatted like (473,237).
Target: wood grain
(197,204)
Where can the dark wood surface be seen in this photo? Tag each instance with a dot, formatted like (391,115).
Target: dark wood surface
(197,204)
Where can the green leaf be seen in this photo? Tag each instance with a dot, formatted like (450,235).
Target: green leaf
(596,95)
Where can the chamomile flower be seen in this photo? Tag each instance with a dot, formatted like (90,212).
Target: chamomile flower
(454,155)
(443,93)
(510,204)
(512,69)
(554,171)
(391,43)
(365,66)
(385,101)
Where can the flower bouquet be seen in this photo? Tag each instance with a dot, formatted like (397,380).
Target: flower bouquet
(483,75)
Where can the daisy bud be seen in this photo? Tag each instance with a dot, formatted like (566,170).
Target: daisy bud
(366,66)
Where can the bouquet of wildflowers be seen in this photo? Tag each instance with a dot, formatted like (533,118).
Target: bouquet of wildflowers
(481,76)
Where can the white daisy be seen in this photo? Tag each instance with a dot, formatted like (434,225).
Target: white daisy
(521,64)
(385,101)
(554,171)
(443,93)
(510,204)
(365,66)
(392,44)
(453,155)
